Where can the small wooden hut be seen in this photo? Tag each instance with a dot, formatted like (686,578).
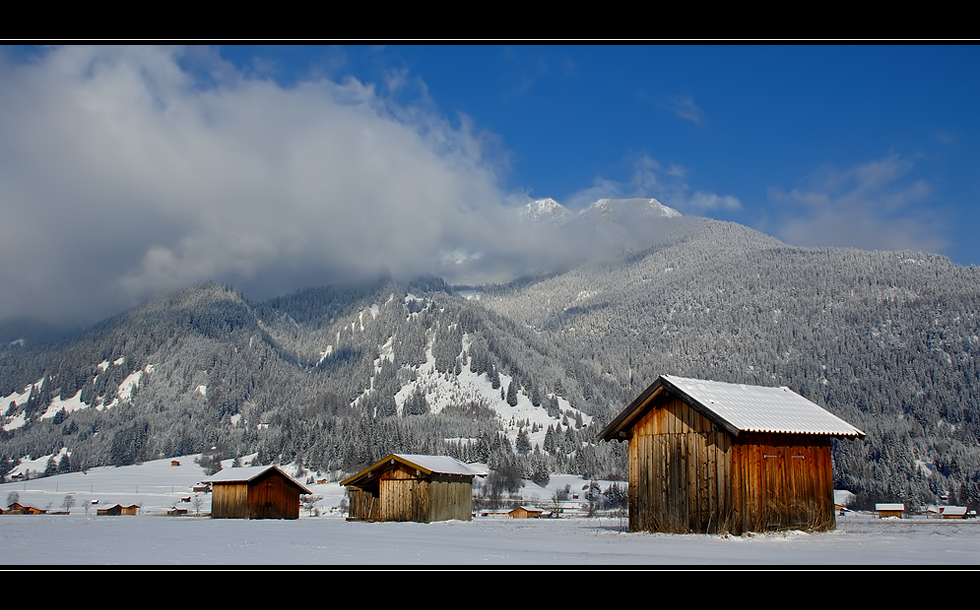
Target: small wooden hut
(256,492)
(404,487)
(954,512)
(886,510)
(525,512)
(712,457)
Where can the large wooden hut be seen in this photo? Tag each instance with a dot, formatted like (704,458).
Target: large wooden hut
(714,457)
(404,487)
(257,492)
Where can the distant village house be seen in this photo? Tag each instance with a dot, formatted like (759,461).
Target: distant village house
(886,510)
(525,512)
(20,509)
(119,509)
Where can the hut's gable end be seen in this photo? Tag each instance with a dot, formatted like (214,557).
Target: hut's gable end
(272,497)
(671,415)
(679,465)
(404,494)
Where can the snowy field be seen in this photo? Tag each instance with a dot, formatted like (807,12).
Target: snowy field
(77,540)
(82,538)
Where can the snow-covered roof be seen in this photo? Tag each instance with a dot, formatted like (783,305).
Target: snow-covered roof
(237,475)
(249,473)
(762,409)
(426,463)
(889,507)
(740,408)
(440,463)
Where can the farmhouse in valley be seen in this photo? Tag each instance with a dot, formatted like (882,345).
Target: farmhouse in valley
(886,510)
(20,509)
(404,487)
(118,509)
(256,492)
(525,512)
(713,457)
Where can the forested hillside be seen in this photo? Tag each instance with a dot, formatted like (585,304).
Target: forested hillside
(334,378)
(886,340)
(522,376)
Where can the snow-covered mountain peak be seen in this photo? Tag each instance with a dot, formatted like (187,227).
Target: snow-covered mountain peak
(545,210)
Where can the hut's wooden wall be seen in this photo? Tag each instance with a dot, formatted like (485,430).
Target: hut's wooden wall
(452,498)
(405,494)
(783,481)
(229,501)
(272,497)
(688,475)
(679,465)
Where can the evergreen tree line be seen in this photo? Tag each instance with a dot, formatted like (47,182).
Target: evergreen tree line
(887,341)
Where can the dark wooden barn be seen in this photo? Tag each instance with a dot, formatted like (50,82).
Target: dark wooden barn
(711,457)
(404,487)
(258,492)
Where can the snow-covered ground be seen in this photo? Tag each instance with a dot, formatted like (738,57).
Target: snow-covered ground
(79,539)
(151,538)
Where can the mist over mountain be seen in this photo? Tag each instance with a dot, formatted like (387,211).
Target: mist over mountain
(556,239)
(520,374)
(23,331)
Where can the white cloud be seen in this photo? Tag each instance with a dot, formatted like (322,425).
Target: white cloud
(651,179)
(684,107)
(870,206)
(126,171)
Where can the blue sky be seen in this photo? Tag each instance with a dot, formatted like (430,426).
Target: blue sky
(801,136)
(126,171)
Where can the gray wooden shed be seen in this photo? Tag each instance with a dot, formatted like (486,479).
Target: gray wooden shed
(407,487)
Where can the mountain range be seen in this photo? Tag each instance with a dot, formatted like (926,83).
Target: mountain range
(519,373)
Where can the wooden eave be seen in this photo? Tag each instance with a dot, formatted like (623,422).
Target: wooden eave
(621,427)
(261,475)
(375,470)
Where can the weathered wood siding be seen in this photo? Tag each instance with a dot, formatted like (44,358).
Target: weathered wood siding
(783,481)
(406,494)
(271,497)
(364,504)
(679,465)
(452,498)
(229,501)
(688,475)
